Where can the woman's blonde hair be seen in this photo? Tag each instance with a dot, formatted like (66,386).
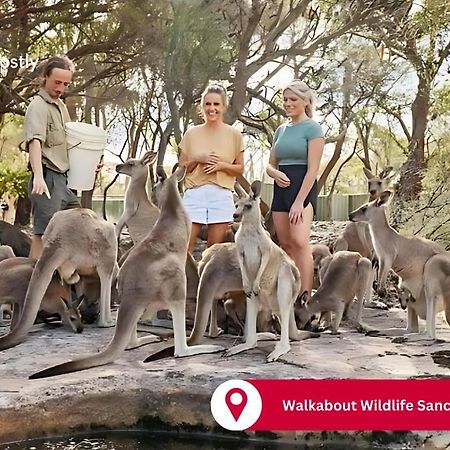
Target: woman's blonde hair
(302,90)
(216,89)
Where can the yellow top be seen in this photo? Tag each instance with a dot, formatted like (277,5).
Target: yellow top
(44,120)
(225,141)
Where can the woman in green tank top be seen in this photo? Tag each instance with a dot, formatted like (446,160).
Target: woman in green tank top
(294,163)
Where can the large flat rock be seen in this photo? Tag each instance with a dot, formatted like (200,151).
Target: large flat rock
(176,392)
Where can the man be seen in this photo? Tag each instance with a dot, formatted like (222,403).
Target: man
(47,146)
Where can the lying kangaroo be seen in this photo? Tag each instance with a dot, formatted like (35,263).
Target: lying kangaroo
(151,278)
(356,236)
(14,237)
(6,252)
(76,241)
(344,276)
(422,265)
(15,274)
(270,278)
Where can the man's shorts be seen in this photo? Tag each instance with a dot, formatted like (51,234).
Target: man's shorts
(42,207)
(209,204)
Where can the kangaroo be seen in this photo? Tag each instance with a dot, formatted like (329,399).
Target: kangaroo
(11,235)
(422,265)
(15,274)
(6,252)
(356,236)
(141,213)
(344,276)
(151,278)
(76,242)
(270,278)
(319,252)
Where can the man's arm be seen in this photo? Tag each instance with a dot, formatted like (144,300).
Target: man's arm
(34,148)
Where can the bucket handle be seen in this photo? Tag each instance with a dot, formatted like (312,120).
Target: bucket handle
(73,146)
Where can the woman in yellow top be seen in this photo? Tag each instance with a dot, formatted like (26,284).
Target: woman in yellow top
(213,155)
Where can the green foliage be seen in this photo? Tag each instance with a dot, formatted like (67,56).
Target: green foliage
(13,180)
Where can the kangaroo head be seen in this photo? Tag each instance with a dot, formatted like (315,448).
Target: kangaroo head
(302,313)
(371,211)
(161,177)
(161,189)
(378,183)
(73,315)
(136,168)
(247,207)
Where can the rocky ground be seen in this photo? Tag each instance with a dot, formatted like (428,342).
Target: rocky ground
(174,394)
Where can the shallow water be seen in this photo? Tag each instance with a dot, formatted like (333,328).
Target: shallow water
(164,441)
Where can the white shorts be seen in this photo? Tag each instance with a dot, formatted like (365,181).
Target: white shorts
(209,203)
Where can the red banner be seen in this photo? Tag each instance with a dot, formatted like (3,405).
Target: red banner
(311,405)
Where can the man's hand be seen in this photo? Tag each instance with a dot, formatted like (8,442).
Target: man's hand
(39,186)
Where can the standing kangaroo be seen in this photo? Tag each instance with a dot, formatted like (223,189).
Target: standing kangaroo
(356,236)
(140,213)
(151,278)
(270,278)
(15,274)
(76,242)
(422,265)
(344,276)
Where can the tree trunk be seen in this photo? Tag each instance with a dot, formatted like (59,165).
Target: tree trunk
(411,173)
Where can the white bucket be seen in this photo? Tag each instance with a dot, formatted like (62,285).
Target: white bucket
(85,143)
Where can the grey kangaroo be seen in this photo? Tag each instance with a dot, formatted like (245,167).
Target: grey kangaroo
(344,276)
(422,265)
(140,213)
(76,242)
(15,274)
(356,236)
(151,278)
(270,278)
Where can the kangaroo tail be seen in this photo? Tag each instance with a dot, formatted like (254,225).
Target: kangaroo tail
(126,322)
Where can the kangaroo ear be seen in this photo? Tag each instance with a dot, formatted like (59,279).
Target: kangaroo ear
(179,173)
(385,198)
(256,189)
(161,173)
(149,158)
(175,167)
(303,298)
(240,191)
(66,303)
(368,173)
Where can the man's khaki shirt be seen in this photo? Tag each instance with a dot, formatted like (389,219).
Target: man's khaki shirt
(44,120)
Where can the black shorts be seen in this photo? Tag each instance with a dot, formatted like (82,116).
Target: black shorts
(283,198)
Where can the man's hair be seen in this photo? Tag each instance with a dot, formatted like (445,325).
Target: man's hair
(57,62)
